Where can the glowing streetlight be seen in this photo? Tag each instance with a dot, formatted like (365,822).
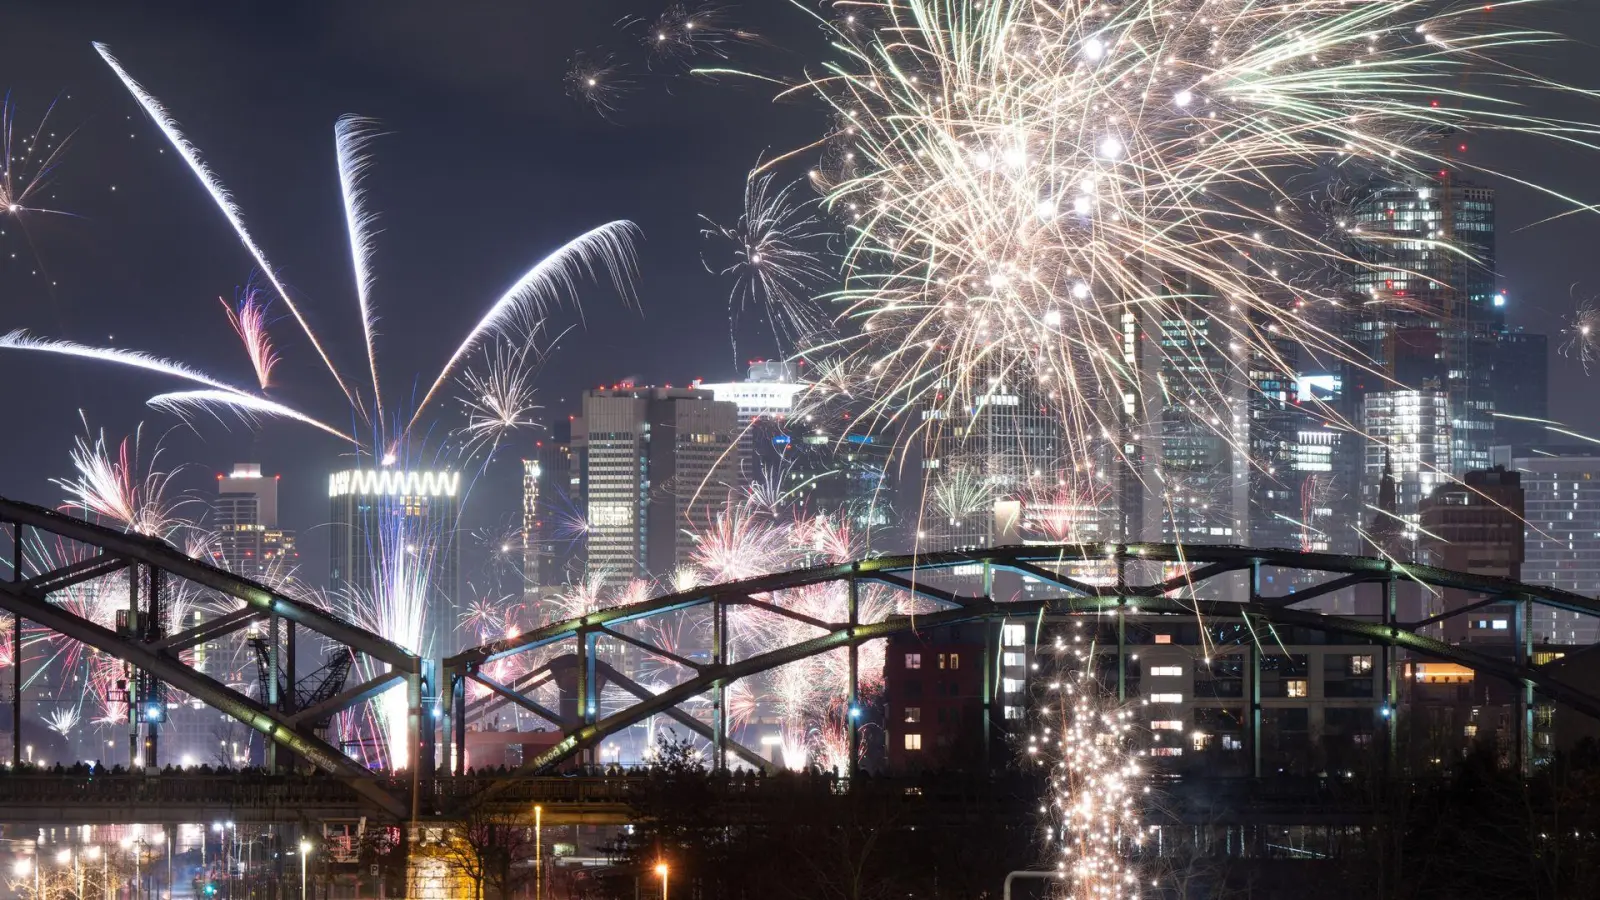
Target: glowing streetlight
(538,852)
(661,869)
(305,853)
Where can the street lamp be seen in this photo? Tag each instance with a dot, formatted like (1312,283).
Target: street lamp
(538,852)
(661,869)
(305,851)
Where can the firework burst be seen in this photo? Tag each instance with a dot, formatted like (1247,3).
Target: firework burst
(249,320)
(774,255)
(598,81)
(1028,186)
(29,162)
(1581,335)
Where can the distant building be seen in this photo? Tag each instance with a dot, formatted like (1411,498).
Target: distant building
(766,400)
(1476,527)
(657,462)
(250,541)
(1408,433)
(1561,511)
(387,525)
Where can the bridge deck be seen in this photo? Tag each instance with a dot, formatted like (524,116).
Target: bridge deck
(177,798)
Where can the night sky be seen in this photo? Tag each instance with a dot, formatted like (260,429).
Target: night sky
(486,167)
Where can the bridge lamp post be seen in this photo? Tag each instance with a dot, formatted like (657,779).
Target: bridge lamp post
(538,852)
(661,869)
(305,853)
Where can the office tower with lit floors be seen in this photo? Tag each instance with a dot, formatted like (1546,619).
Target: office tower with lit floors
(657,462)
(1561,532)
(393,539)
(250,541)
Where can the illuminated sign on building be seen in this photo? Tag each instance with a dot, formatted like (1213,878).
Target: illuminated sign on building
(393,483)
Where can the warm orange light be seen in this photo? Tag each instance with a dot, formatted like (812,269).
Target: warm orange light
(661,869)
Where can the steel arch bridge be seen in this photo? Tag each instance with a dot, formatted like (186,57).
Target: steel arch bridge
(569,649)
(582,729)
(153,646)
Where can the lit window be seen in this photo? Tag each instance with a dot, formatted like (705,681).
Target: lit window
(1013,635)
(1167,751)
(1010,685)
(1163,638)
(1501,624)
(913,660)
(1232,742)
(913,742)
(1166,671)
(1200,740)
(1013,712)
(1012,659)
(1295,687)
(1167,725)
(913,714)
(1360,665)
(1166,698)
(941,660)
(955,660)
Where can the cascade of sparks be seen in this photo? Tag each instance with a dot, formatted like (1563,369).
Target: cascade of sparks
(1097,790)
(1036,191)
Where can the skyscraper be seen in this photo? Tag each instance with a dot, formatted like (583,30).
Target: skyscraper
(393,538)
(1561,533)
(656,462)
(1001,446)
(765,400)
(249,539)
(1409,436)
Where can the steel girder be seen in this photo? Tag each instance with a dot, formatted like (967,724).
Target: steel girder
(1036,562)
(158,655)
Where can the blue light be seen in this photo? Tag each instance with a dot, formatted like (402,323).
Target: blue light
(154,712)
(781,440)
(855,712)
(859,439)
(1385,711)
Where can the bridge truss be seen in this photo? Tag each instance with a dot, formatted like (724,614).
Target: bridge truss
(978,586)
(567,651)
(155,647)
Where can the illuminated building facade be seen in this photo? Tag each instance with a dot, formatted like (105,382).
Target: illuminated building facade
(765,400)
(655,462)
(1409,433)
(1002,446)
(1561,509)
(250,541)
(383,520)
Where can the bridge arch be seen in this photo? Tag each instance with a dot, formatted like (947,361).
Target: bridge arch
(583,729)
(153,646)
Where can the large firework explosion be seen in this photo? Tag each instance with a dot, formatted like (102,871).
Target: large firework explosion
(1045,199)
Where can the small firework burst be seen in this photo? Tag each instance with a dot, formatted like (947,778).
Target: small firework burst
(499,394)
(1582,335)
(684,31)
(248,316)
(774,254)
(598,81)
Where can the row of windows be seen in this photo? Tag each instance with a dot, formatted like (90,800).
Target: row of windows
(946,660)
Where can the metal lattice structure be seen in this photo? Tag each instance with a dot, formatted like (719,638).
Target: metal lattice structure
(154,647)
(1051,593)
